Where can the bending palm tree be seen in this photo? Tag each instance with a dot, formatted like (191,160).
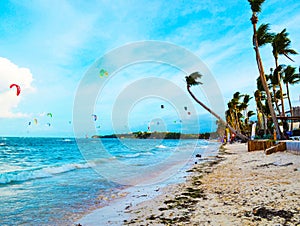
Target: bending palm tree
(191,80)
(280,45)
(256,8)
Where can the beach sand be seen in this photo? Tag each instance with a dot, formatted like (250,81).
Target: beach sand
(235,188)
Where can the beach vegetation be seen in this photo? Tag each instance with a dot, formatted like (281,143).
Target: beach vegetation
(256,8)
(238,115)
(281,46)
(271,104)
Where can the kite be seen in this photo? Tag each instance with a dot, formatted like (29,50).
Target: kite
(49,114)
(17,87)
(185,108)
(95,117)
(103,72)
(48,124)
(35,121)
(162,106)
(29,123)
(189,113)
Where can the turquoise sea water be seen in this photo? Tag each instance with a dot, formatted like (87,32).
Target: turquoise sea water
(47,181)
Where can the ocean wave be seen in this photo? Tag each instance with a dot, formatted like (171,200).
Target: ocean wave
(2,144)
(20,176)
(136,155)
(131,155)
(161,146)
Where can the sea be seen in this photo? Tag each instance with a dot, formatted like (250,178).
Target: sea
(55,181)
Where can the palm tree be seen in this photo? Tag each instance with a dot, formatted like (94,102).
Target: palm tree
(193,80)
(244,108)
(235,105)
(281,46)
(290,77)
(261,118)
(237,111)
(230,115)
(247,122)
(256,8)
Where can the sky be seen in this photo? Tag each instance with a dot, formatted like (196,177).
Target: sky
(48,48)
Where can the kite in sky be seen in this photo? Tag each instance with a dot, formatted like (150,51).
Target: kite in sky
(17,87)
(103,72)
(95,117)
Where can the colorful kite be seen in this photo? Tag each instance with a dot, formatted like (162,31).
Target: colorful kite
(17,87)
(103,72)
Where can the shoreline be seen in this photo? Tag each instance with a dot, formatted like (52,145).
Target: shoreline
(236,187)
(117,211)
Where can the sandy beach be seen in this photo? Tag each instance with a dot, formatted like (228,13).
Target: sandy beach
(235,188)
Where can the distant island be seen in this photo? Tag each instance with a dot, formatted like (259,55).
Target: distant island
(160,135)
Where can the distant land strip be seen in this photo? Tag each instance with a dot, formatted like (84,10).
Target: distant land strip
(160,135)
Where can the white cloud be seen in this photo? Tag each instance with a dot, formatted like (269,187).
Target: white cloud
(13,74)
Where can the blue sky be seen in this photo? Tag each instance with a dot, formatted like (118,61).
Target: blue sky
(48,46)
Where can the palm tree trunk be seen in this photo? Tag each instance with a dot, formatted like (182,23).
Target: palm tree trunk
(243,137)
(276,101)
(263,78)
(238,128)
(265,121)
(280,87)
(290,104)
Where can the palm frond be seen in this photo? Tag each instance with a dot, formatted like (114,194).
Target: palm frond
(192,79)
(263,35)
(281,45)
(256,5)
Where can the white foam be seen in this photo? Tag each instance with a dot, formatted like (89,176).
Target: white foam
(161,146)
(19,176)
(132,155)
